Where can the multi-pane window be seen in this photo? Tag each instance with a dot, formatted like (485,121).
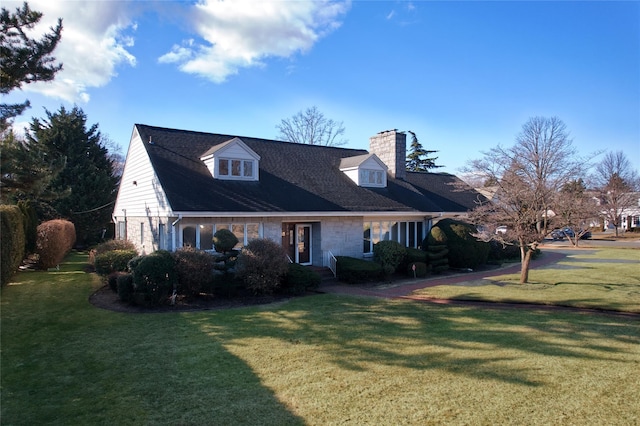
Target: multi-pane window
(201,236)
(234,168)
(409,234)
(371,177)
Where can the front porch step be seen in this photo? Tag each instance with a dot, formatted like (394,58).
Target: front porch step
(324,272)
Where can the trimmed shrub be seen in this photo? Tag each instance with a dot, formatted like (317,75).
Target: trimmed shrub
(225,284)
(499,252)
(300,279)
(113,261)
(224,240)
(124,286)
(465,250)
(418,269)
(30,222)
(55,239)
(412,255)
(261,265)
(389,254)
(194,270)
(110,245)
(437,257)
(154,278)
(353,271)
(12,241)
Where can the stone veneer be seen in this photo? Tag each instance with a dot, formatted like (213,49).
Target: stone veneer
(391,147)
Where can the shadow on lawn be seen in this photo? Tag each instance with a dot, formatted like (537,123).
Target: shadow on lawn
(484,344)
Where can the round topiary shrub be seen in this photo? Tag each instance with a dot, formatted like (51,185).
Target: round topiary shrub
(154,278)
(389,254)
(465,250)
(261,265)
(224,240)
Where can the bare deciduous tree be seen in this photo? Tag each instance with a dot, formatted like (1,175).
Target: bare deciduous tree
(617,184)
(528,175)
(575,208)
(313,128)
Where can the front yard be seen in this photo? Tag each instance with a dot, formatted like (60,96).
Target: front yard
(321,359)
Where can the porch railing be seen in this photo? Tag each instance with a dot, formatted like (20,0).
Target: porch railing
(331,262)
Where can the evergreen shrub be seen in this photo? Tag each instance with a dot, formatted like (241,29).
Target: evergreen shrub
(465,250)
(30,222)
(113,261)
(12,241)
(389,254)
(499,252)
(261,265)
(110,245)
(353,271)
(55,239)
(154,277)
(124,286)
(421,269)
(299,279)
(224,240)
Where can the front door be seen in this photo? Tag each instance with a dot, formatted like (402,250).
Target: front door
(303,244)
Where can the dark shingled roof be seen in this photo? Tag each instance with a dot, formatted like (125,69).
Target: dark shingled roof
(293,178)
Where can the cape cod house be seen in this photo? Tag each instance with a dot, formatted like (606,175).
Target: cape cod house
(179,187)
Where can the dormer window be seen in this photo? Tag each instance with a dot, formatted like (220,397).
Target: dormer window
(365,170)
(371,177)
(232,160)
(228,167)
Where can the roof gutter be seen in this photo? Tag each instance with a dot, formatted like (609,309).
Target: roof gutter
(314,213)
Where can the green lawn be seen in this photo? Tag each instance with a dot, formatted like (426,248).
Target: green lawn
(598,279)
(316,360)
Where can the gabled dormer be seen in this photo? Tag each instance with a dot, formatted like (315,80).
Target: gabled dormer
(232,160)
(365,170)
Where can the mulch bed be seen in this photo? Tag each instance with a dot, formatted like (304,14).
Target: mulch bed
(105,298)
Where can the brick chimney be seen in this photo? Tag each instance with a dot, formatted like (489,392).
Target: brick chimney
(391,147)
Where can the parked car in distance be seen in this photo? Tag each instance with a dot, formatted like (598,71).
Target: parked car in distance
(559,234)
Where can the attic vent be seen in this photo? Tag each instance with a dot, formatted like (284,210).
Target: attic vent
(150,141)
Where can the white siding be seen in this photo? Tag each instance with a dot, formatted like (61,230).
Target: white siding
(140,193)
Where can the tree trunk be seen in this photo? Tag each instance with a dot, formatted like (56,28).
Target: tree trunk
(525,261)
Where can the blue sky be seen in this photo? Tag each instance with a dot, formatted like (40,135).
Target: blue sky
(465,76)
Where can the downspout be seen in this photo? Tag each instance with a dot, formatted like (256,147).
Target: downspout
(124,211)
(173,232)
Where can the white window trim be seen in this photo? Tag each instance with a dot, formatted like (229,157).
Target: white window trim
(241,176)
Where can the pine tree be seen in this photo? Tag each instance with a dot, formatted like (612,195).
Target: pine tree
(418,159)
(89,174)
(24,60)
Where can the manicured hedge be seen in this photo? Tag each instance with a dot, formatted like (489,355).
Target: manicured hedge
(300,279)
(12,241)
(55,239)
(353,271)
(113,261)
(465,250)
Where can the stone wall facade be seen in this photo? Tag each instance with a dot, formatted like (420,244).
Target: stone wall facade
(391,147)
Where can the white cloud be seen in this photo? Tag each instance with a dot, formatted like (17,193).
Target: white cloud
(94,43)
(240,34)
